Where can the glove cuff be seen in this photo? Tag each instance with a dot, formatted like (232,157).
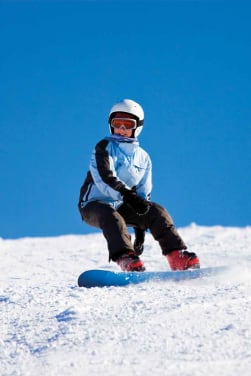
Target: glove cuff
(124,191)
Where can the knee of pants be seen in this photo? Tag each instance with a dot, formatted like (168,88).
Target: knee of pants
(157,211)
(102,215)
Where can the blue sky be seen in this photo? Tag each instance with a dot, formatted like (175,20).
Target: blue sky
(64,64)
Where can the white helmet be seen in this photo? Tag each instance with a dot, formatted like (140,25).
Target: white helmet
(128,106)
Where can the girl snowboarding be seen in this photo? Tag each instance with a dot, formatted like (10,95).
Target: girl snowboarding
(116,193)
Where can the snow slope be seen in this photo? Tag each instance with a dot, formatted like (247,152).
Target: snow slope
(50,326)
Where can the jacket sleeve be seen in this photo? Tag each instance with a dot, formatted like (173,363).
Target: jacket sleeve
(103,172)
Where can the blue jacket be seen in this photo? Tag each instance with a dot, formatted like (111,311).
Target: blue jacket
(117,162)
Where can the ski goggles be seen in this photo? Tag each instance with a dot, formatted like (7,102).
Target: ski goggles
(124,123)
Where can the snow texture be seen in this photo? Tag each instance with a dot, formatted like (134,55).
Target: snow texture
(50,326)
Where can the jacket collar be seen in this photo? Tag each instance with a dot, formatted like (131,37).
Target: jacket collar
(118,138)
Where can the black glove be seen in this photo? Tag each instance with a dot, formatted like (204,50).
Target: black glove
(137,203)
(138,244)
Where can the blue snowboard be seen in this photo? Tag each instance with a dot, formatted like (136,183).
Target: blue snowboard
(106,278)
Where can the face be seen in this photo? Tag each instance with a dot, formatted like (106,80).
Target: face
(122,131)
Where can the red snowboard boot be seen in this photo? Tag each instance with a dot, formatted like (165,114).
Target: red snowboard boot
(182,260)
(129,262)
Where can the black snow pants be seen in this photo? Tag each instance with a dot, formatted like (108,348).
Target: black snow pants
(114,225)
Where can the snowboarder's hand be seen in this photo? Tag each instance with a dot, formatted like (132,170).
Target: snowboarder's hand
(138,244)
(137,203)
